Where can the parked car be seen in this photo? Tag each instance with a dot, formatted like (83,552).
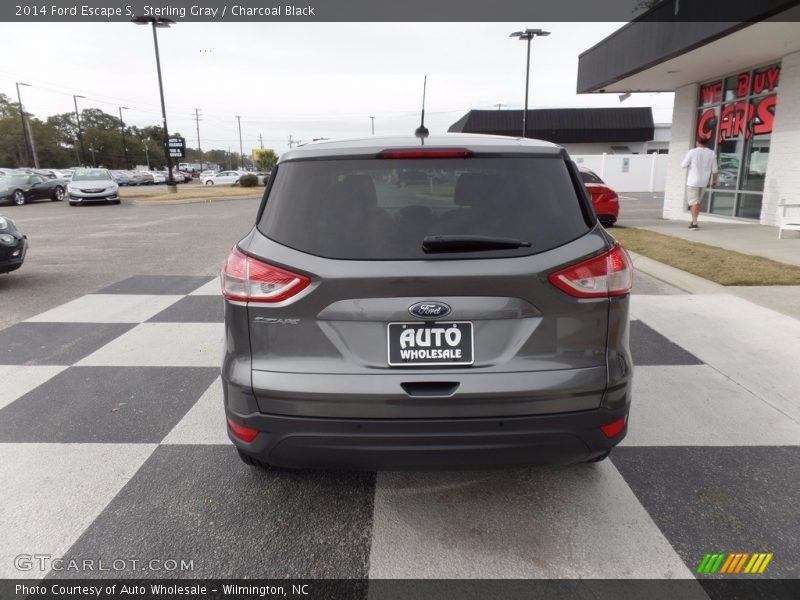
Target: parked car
(13,245)
(146,177)
(605,201)
(121,177)
(91,186)
(20,188)
(376,327)
(223,178)
(49,173)
(158,176)
(134,177)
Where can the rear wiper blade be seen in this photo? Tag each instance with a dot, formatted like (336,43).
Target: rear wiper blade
(469,243)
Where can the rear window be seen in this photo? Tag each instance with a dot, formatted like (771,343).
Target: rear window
(368,209)
(590,177)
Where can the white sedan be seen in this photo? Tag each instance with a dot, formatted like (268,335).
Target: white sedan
(223,178)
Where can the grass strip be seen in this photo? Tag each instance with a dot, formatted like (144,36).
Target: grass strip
(722,266)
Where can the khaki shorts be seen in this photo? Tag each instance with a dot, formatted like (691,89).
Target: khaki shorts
(693,195)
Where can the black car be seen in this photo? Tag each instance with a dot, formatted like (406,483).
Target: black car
(13,246)
(19,188)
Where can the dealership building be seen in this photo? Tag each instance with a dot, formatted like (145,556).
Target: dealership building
(736,84)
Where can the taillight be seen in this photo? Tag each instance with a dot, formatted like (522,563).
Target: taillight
(249,280)
(610,274)
(614,428)
(243,432)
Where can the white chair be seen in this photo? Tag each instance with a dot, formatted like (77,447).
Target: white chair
(788,221)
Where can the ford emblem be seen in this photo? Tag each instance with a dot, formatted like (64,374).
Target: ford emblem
(429,310)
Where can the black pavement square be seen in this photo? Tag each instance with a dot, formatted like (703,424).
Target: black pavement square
(55,343)
(193,309)
(106,405)
(720,499)
(156,284)
(651,348)
(201,503)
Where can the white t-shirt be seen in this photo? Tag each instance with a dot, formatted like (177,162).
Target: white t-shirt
(702,162)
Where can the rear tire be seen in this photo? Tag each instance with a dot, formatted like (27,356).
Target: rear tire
(209,183)
(252,461)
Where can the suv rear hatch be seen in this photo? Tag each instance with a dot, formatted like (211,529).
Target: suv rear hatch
(360,240)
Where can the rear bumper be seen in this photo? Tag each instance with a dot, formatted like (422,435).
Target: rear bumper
(389,444)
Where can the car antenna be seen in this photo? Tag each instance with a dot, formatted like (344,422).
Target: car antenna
(422,131)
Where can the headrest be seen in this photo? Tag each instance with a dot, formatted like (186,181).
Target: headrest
(473,188)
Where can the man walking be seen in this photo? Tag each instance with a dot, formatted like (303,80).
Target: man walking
(702,164)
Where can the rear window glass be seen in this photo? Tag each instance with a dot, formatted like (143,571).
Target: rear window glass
(590,177)
(383,209)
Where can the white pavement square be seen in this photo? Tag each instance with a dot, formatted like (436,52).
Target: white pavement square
(107,308)
(163,345)
(572,522)
(18,380)
(212,288)
(51,493)
(697,406)
(756,347)
(204,423)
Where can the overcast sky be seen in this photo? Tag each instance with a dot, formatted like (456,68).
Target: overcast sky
(309,80)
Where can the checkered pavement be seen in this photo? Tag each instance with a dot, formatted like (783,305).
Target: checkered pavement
(113,445)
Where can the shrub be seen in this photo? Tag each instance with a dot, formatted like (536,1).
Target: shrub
(248,180)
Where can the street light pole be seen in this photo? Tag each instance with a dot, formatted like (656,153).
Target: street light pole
(124,147)
(80,133)
(527,36)
(373,125)
(28,151)
(241,152)
(161,22)
(199,149)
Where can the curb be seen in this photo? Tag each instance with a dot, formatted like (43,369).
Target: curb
(140,202)
(682,280)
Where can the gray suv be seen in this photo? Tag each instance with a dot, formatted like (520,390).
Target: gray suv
(401,305)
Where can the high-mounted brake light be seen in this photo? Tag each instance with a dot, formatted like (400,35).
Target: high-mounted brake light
(610,274)
(425,153)
(249,280)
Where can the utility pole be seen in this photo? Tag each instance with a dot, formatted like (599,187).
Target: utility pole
(373,125)
(124,147)
(33,146)
(241,152)
(28,153)
(94,162)
(292,141)
(80,134)
(146,154)
(199,149)
(229,158)
(498,106)
(261,141)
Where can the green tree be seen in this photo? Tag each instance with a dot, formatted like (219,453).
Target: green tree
(265,158)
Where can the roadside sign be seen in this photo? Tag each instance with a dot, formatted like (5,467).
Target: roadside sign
(176,147)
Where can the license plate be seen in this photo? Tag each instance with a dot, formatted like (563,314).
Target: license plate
(430,344)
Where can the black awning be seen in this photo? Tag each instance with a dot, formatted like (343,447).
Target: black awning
(563,125)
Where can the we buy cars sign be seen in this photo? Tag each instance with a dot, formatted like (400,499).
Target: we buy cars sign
(176,147)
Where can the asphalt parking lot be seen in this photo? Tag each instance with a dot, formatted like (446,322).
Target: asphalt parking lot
(113,444)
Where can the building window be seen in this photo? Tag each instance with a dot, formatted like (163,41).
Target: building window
(735,115)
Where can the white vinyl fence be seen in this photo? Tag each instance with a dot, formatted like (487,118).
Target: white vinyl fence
(628,172)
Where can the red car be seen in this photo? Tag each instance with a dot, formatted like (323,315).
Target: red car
(604,200)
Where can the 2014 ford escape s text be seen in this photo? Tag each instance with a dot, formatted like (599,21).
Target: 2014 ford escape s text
(401,305)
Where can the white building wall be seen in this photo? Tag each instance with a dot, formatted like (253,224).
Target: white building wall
(627,172)
(782,183)
(684,117)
